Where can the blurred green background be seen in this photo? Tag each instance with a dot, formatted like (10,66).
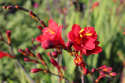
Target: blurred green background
(108,19)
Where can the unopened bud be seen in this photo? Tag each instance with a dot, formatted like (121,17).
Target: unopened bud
(29,52)
(32,14)
(27,59)
(69,44)
(54,62)
(33,40)
(40,27)
(96,81)
(17,7)
(93,70)
(36,70)
(42,23)
(4,7)
(8,33)
(22,52)
(49,55)
(40,57)
(55,54)
(86,71)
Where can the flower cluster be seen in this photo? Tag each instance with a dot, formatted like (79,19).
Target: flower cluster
(104,71)
(82,41)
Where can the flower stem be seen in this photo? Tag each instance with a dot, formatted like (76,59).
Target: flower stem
(60,77)
(19,64)
(92,78)
(82,76)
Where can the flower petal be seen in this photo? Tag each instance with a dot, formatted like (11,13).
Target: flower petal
(77,47)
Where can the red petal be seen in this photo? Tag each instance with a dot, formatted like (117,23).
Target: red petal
(77,47)
(41,38)
(71,36)
(52,23)
(89,45)
(75,29)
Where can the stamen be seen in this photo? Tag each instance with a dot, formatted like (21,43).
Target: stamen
(81,31)
(52,32)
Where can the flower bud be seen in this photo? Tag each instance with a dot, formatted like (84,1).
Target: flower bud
(47,44)
(29,52)
(32,14)
(69,44)
(33,40)
(17,7)
(49,55)
(40,57)
(27,59)
(86,71)
(112,74)
(55,54)
(54,62)
(22,52)
(8,33)
(95,5)
(93,70)
(40,27)
(42,23)
(36,70)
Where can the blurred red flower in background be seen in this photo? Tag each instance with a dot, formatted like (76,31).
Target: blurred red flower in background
(35,5)
(84,40)
(4,54)
(95,5)
(51,37)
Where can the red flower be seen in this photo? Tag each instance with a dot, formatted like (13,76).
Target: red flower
(51,36)
(4,54)
(79,61)
(84,40)
(95,5)
(8,33)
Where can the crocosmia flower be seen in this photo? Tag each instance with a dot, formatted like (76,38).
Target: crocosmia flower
(51,37)
(84,40)
(4,54)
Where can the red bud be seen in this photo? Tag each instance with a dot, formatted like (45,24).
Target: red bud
(8,33)
(93,70)
(27,59)
(69,44)
(40,27)
(86,71)
(29,52)
(55,54)
(36,70)
(22,52)
(42,23)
